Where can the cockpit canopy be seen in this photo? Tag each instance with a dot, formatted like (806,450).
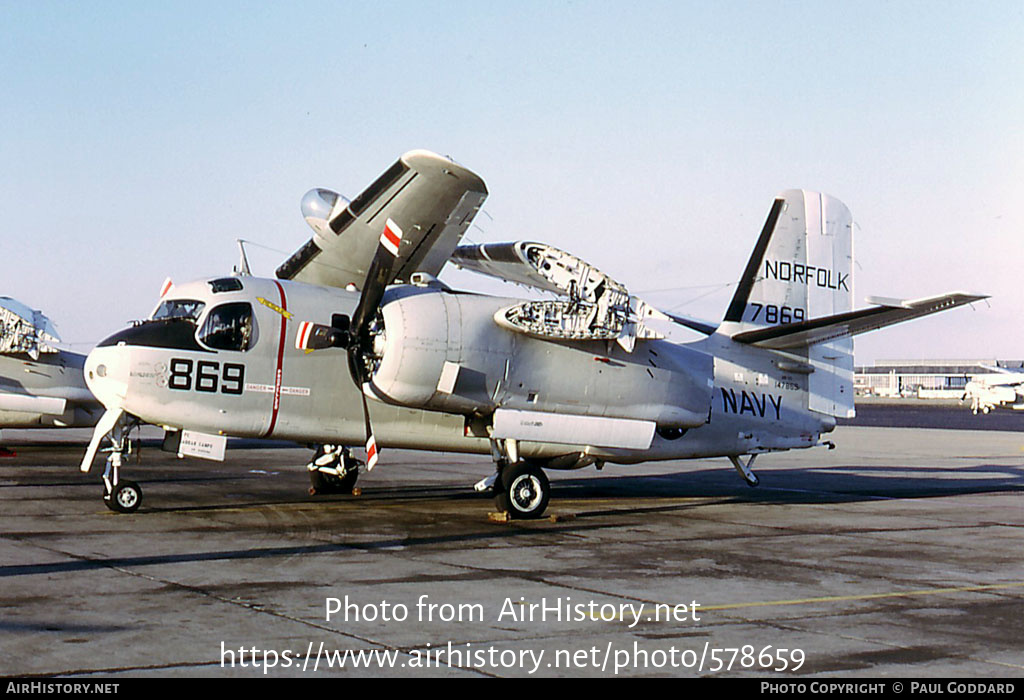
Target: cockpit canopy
(178,308)
(229,327)
(174,323)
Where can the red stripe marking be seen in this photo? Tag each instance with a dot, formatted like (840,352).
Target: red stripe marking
(280,361)
(371,452)
(307,326)
(390,235)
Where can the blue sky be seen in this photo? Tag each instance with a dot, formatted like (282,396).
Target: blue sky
(139,141)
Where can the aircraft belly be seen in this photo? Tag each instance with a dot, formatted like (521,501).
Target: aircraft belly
(21,419)
(74,416)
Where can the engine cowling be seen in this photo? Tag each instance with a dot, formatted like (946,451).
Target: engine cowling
(427,336)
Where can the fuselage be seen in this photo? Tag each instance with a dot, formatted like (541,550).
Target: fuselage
(220,357)
(47,392)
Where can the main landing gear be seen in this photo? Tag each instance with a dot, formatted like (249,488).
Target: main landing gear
(520,486)
(332,470)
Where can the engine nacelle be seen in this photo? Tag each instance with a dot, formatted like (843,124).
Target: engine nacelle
(444,352)
(430,337)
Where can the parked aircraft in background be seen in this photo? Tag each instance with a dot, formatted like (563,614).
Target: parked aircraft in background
(41,386)
(1002,389)
(358,340)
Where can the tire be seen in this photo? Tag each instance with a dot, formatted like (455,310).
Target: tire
(523,491)
(321,483)
(125,498)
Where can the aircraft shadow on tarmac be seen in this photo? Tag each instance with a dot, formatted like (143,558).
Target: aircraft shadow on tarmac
(826,484)
(815,485)
(811,485)
(835,484)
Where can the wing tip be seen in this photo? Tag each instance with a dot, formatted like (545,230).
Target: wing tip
(958,297)
(423,159)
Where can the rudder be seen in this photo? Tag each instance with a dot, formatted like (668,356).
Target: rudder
(801,269)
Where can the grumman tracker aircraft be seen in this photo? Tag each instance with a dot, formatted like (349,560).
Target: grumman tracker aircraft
(41,385)
(357,340)
(1001,389)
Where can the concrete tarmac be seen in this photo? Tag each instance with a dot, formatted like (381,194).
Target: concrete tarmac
(896,555)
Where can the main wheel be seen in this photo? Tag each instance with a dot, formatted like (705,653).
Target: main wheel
(125,498)
(523,491)
(321,483)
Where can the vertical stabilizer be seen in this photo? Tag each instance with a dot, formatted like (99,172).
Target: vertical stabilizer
(802,269)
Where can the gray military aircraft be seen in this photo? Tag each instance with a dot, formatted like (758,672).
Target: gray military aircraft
(1003,388)
(357,340)
(41,385)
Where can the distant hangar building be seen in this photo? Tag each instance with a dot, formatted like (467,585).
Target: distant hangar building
(925,379)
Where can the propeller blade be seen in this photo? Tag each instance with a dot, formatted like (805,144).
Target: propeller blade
(378,277)
(381,273)
(372,453)
(105,424)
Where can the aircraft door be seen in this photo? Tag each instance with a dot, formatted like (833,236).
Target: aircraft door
(239,379)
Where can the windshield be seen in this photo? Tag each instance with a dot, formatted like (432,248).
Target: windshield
(188,309)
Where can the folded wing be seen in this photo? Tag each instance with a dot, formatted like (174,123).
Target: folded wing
(430,198)
(593,306)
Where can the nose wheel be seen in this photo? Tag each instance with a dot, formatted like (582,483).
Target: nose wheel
(125,498)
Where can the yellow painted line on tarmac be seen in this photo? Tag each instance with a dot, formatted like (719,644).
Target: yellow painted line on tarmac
(646,612)
(865,596)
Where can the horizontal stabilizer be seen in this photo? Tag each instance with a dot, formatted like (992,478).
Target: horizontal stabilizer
(821,330)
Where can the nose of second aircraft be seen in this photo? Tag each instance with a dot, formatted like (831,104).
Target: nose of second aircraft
(107,373)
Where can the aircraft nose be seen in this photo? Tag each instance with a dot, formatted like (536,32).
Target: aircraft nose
(106,374)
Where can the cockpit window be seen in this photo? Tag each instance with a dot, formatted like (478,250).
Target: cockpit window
(229,327)
(188,309)
(226,284)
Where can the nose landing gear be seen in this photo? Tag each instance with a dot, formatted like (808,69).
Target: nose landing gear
(119,495)
(125,498)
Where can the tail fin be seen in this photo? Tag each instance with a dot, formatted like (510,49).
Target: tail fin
(801,269)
